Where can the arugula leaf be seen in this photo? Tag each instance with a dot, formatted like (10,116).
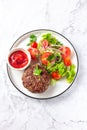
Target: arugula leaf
(33,38)
(70,73)
(37,71)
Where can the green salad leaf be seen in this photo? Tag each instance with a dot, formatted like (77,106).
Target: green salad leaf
(55,60)
(55,56)
(33,38)
(60,67)
(51,57)
(51,39)
(37,71)
(70,73)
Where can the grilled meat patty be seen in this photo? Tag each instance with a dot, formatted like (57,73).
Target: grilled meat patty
(36,83)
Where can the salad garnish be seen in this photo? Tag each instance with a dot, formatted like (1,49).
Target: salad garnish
(53,55)
(51,39)
(33,38)
(37,71)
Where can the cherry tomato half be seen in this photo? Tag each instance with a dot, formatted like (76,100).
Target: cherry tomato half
(67,61)
(34,44)
(66,51)
(56,75)
(33,52)
(44,57)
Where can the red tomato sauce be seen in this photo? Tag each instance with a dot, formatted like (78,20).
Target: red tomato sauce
(18,59)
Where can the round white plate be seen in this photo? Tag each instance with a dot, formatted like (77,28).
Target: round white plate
(61,86)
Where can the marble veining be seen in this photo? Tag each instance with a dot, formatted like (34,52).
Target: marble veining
(66,112)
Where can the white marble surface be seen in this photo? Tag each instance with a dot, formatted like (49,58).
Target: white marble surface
(66,112)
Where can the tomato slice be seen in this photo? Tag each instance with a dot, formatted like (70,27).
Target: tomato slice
(56,75)
(66,55)
(45,43)
(67,61)
(44,57)
(34,44)
(66,51)
(33,52)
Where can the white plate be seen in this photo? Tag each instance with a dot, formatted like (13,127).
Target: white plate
(53,91)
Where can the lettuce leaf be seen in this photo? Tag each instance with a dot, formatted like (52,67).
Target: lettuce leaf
(60,67)
(70,75)
(51,39)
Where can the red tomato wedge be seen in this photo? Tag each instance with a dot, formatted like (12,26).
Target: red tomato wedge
(33,52)
(34,44)
(66,51)
(44,57)
(67,61)
(45,43)
(56,75)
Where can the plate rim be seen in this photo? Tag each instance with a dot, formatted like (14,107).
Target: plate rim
(65,89)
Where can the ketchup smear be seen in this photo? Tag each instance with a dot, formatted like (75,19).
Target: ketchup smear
(18,59)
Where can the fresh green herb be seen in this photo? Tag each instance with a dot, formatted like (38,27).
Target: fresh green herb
(33,38)
(70,73)
(51,57)
(57,57)
(51,39)
(37,71)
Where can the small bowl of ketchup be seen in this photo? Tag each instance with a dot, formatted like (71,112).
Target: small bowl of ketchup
(19,58)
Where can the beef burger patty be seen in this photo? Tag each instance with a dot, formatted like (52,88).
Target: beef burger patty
(36,83)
